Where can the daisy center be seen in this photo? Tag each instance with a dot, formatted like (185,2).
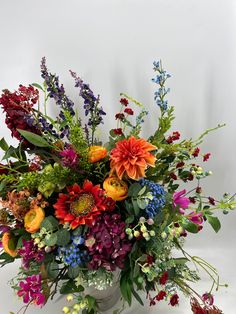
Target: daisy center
(82,205)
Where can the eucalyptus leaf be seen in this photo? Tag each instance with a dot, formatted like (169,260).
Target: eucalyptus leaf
(63,237)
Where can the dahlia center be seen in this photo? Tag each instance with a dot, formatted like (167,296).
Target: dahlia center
(82,205)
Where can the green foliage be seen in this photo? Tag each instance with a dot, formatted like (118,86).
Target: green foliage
(70,287)
(214,222)
(34,139)
(63,237)
(49,223)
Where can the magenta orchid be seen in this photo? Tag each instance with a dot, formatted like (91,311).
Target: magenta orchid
(180,200)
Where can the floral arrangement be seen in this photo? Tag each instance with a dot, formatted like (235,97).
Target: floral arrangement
(76,211)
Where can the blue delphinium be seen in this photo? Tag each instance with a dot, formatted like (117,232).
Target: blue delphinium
(158,197)
(160,80)
(74,254)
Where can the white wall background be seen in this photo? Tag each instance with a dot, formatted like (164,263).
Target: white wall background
(112,44)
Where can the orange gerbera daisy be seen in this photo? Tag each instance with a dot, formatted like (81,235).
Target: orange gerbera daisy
(80,205)
(131,157)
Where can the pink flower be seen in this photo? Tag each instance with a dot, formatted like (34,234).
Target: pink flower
(70,158)
(30,290)
(196,218)
(181,201)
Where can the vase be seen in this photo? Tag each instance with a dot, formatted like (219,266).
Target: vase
(107,298)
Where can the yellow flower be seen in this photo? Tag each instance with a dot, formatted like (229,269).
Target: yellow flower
(8,244)
(33,219)
(96,153)
(115,188)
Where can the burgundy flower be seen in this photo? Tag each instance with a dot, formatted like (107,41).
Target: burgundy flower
(2,169)
(211,200)
(70,158)
(107,242)
(199,190)
(30,252)
(31,290)
(180,164)
(174,300)
(118,131)
(164,278)
(129,111)
(124,101)
(173,176)
(175,136)
(18,107)
(203,309)
(120,116)
(196,152)
(206,156)
(208,298)
(161,295)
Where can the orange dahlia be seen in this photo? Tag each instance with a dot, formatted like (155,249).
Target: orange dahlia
(131,157)
(81,204)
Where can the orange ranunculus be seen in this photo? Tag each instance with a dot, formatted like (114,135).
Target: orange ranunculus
(33,219)
(115,188)
(96,153)
(131,157)
(8,244)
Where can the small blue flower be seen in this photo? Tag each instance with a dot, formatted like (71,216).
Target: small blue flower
(158,201)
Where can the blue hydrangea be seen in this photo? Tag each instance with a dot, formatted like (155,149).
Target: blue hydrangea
(158,201)
(160,80)
(74,253)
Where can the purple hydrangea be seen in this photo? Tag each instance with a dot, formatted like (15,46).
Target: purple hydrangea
(31,290)
(29,252)
(107,242)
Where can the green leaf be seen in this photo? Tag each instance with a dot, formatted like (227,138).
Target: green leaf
(130,219)
(125,287)
(10,152)
(63,237)
(214,222)
(51,239)
(190,227)
(137,297)
(180,260)
(3,144)
(142,191)
(92,303)
(73,272)
(52,269)
(34,139)
(134,189)
(142,203)
(38,86)
(70,287)
(49,223)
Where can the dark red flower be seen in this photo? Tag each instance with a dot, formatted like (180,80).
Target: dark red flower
(199,190)
(80,205)
(120,116)
(164,277)
(2,169)
(150,259)
(173,176)
(180,164)
(196,152)
(129,111)
(211,200)
(169,140)
(175,136)
(206,156)
(174,300)
(161,295)
(192,199)
(124,101)
(118,131)
(18,108)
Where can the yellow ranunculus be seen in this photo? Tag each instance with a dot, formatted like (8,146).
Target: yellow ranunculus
(115,188)
(96,153)
(8,244)
(33,219)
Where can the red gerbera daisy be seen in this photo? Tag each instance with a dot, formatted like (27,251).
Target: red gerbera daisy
(81,204)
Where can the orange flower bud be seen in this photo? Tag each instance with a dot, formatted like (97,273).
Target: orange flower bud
(8,244)
(96,153)
(33,219)
(115,188)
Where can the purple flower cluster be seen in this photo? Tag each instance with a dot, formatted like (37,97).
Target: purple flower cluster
(31,290)
(90,102)
(57,92)
(30,252)
(107,242)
